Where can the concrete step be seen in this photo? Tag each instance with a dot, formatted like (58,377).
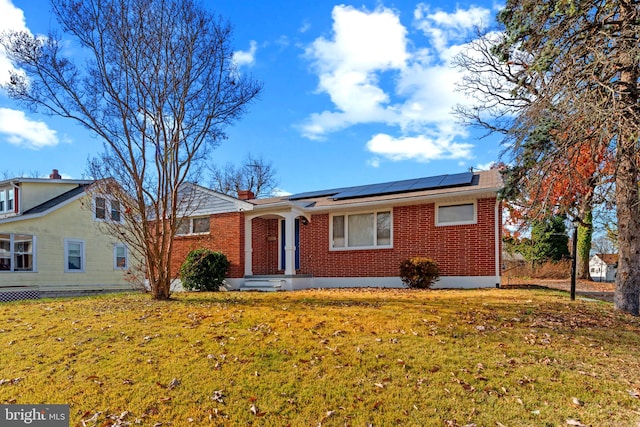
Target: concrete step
(266,285)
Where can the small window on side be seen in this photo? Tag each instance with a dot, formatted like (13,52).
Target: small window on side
(459,214)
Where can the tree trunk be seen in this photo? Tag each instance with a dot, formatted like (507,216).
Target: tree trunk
(585,232)
(627,294)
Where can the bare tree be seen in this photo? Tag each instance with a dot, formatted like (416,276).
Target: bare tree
(254,174)
(560,76)
(158,87)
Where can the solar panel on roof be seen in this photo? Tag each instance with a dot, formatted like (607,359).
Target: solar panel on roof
(457,179)
(416,184)
(428,183)
(320,193)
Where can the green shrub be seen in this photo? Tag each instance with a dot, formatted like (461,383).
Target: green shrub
(204,270)
(419,272)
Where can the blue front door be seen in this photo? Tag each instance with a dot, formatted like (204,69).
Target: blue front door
(296,242)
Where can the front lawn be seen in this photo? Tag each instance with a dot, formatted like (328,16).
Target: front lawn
(381,357)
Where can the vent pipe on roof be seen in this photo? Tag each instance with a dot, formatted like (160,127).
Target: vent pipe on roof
(55,175)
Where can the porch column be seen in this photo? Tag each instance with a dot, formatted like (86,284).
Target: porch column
(248,247)
(289,244)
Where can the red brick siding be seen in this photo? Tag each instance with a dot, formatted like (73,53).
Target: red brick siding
(226,236)
(461,250)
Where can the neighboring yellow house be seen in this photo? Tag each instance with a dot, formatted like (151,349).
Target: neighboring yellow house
(51,242)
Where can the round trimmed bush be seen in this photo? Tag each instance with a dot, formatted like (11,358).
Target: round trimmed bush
(204,270)
(419,272)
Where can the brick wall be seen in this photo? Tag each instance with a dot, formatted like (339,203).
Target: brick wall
(460,250)
(226,236)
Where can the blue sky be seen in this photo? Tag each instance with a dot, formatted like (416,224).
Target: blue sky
(354,93)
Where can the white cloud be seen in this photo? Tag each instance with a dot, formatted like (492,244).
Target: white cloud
(374,74)
(364,44)
(484,166)
(422,148)
(304,27)
(444,28)
(11,19)
(21,131)
(248,58)
(279,192)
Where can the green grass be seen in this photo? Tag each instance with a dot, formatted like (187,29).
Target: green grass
(388,357)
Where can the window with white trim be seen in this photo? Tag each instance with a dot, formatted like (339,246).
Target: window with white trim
(74,256)
(198,225)
(7,200)
(17,252)
(120,257)
(456,214)
(361,230)
(106,209)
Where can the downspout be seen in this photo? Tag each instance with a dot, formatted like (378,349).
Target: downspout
(497,240)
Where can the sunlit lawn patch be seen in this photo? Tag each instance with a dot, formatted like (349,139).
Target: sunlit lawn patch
(385,357)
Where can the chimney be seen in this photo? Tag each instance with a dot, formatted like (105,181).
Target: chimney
(55,175)
(246,195)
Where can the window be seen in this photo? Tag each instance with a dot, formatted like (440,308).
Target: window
(200,225)
(101,208)
(17,252)
(7,200)
(10,200)
(459,214)
(115,211)
(120,257)
(107,209)
(362,230)
(193,226)
(74,255)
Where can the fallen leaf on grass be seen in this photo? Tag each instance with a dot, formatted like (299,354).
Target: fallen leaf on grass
(255,411)
(217,396)
(379,385)
(165,399)
(10,381)
(577,401)
(173,384)
(572,422)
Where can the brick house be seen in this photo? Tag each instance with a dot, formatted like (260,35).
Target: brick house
(354,236)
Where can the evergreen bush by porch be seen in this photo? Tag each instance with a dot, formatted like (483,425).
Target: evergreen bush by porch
(204,270)
(419,272)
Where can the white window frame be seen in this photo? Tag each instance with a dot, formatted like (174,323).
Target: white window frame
(190,232)
(5,199)
(449,223)
(82,256)
(12,254)
(375,245)
(115,257)
(108,209)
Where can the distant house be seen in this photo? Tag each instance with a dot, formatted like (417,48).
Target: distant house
(354,236)
(51,243)
(603,267)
